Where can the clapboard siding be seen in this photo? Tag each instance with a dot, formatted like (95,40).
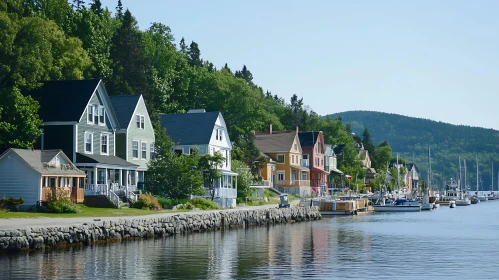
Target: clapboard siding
(95,129)
(135,133)
(17,179)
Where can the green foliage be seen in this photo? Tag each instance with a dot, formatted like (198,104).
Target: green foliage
(147,201)
(209,165)
(63,206)
(11,203)
(244,178)
(203,204)
(171,202)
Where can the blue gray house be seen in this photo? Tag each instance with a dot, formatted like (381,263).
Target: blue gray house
(78,119)
(207,132)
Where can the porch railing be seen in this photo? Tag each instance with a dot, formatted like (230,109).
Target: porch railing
(96,189)
(263,183)
(114,198)
(294,183)
(222,192)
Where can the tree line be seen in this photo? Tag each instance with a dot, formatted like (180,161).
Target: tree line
(60,40)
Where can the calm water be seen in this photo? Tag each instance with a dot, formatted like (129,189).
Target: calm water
(445,243)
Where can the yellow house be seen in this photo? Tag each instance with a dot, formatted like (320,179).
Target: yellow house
(291,173)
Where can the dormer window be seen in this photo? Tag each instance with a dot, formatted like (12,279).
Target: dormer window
(96,115)
(102,114)
(90,114)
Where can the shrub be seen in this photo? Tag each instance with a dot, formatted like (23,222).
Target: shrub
(170,202)
(11,203)
(147,201)
(63,206)
(203,204)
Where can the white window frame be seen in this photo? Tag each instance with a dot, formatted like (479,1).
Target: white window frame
(151,150)
(296,147)
(99,108)
(133,156)
(107,143)
(293,159)
(91,142)
(279,172)
(142,122)
(143,144)
(90,114)
(220,135)
(283,157)
(218,131)
(137,120)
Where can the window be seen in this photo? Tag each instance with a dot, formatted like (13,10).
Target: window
(90,114)
(96,114)
(135,149)
(226,158)
(217,134)
(142,120)
(144,150)
(304,175)
(317,148)
(296,147)
(192,151)
(280,158)
(104,142)
(137,118)
(221,133)
(280,175)
(151,150)
(292,158)
(102,113)
(88,142)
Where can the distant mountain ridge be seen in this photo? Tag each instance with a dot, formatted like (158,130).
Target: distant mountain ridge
(410,137)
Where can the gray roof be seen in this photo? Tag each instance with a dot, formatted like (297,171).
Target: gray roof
(189,128)
(111,160)
(124,106)
(275,142)
(38,160)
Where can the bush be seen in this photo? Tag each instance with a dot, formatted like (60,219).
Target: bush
(62,206)
(170,202)
(203,204)
(11,203)
(147,201)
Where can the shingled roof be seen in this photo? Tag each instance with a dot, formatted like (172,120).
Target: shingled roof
(64,100)
(275,142)
(111,160)
(308,138)
(190,128)
(124,106)
(38,160)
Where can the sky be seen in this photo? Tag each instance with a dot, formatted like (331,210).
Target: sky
(431,59)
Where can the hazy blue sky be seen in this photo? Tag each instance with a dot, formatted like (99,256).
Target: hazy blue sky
(431,59)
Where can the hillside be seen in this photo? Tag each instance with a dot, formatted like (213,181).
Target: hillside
(410,137)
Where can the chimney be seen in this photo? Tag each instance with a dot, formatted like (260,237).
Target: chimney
(269,129)
(297,130)
(191,111)
(42,140)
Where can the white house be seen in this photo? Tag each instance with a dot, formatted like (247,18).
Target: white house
(207,132)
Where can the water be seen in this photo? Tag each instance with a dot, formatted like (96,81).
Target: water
(445,243)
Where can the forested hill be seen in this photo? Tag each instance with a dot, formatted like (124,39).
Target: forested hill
(411,136)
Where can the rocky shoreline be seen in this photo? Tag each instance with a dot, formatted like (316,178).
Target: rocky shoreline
(123,229)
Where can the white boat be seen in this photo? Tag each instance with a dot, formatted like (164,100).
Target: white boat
(436,205)
(463,202)
(425,201)
(452,204)
(427,206)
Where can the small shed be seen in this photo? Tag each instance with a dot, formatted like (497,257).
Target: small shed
(38,175)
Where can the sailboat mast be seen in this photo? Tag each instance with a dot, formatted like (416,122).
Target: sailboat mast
(398,180)
(459,181)
(492,187)
(464,174)
(429,169)
(476,174)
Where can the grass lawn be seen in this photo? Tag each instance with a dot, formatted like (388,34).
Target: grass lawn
(86,212)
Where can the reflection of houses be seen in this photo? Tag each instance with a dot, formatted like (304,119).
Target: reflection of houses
(135,138)
(312,144)
(331,166)
(292,172)
(79,119)
(206,132)
(413,172)
(37,176)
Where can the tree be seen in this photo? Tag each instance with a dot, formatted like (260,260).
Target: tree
(244,178)
(367,141)
(170,175)
(119,10)
(194,55)
(96,7)
(245,74)
(209,165)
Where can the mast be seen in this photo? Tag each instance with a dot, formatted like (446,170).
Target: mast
(476,175)
(464,174)
(492,187)
(459,181)
(429,169)
(398,180)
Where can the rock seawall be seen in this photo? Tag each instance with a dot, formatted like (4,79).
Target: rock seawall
(122,229)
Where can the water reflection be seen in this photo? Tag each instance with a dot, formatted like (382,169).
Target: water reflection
(441,244)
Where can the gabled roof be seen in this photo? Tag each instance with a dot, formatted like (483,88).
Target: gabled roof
(111,160)
(73,94)
(412,165)
(124,106)
(190,128)
(38,160)
(281,141)
(308,138)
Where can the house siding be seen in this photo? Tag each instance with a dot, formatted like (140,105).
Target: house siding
(121,145)
(17,179)
(138,134)
(83,127)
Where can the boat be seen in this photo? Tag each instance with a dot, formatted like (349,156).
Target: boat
(480,197)
(475,200)
(397,205)
(452,204)
(462,200)
(425,201)
(492,196)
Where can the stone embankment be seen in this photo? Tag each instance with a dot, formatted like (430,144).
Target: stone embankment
(123,229)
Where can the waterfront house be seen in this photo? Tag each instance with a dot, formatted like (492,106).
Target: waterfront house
(78,119)
(313,149)
(135,137)
(36,176)
(331,166)
(206,132)
(414,175)
(292,172)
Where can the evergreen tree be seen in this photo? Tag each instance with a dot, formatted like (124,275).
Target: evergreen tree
(194,55)
(96,7)
(183,46)
(119,10)
(245,74)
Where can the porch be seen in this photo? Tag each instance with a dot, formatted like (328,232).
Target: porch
(62,187)
(225,190)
